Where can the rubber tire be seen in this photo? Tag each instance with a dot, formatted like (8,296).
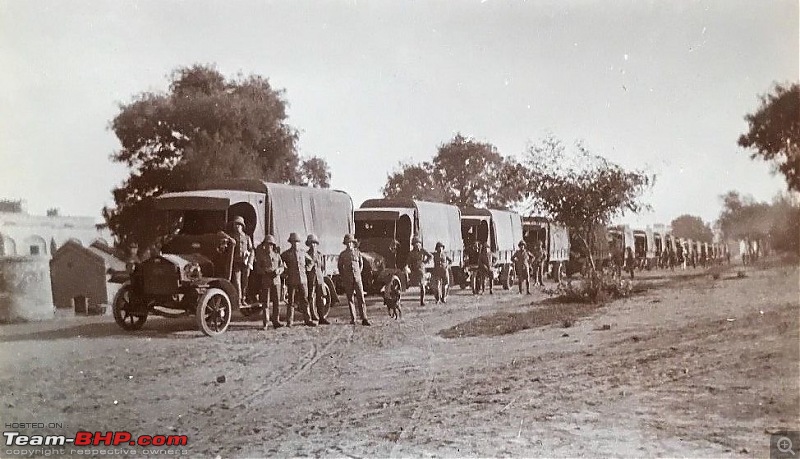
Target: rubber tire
(202,305)
(121,316)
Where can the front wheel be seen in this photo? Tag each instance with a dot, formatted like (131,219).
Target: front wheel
(122,311)
(213,313)
(507,277)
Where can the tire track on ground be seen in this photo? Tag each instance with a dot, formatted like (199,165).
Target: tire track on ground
(279,380)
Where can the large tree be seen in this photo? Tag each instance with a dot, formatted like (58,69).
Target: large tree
(774,132)
(464,172)
(581,190)
(204,128)
(692,227)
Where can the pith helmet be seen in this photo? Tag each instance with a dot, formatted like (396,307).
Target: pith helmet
(439,244)
(239,220)
(416,240)
(312,238)
(348,238)
(271,240)
(293,237)
(521,244)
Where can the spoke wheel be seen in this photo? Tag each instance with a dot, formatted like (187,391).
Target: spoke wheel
(213,312)
(121,309)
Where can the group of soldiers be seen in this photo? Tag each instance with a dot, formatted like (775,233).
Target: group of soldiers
(301,271)
(527,264)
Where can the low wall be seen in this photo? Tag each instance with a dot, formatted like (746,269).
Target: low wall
(25,291)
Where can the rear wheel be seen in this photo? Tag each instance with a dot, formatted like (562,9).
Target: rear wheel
(122,311)
(559,271)
(213,312)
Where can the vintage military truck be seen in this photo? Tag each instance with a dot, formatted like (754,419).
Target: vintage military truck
(192,272)
(501,230)
(385,227)
(556,243)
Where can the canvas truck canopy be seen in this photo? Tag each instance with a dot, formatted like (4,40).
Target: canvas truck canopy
(303,210)
(508,229)
(439,222)
(559,243)
(248,204)
(434,222)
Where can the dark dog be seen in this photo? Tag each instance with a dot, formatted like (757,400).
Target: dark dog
(391,297)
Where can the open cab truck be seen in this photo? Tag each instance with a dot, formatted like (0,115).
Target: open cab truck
(192,272)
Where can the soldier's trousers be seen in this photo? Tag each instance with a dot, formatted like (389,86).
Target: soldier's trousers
(441,283)
(482,278)
(270,293)
(316,301)
(538,273)
(356,301)
(297,294)
(239,278)
(527,280)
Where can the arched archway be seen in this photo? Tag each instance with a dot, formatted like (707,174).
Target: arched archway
(34,245)
(8,247)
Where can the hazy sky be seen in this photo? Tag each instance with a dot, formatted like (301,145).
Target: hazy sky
(663,85)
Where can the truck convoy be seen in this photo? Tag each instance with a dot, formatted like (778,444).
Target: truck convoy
(193,271)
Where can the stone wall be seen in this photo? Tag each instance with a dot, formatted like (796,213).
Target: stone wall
(25,292)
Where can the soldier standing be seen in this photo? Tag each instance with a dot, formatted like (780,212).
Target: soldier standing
(522,264)
(486,261)
(350,266)
(441,273)
(417,258)
(298,263)
(243,256)
(630,261)
(538,262)
(270,267)
(316,282)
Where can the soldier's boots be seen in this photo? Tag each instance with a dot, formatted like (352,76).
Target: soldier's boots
(324,321)
(365,322)
(310,323)
(276,324)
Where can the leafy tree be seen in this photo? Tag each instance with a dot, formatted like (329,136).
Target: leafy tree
(416,181)
(464,172)
(581,190)
(692,227)
(204,128)
(775,132)
(743,217)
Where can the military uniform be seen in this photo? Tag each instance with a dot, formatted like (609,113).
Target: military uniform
(486,261)
(522,265)
(316,283)
(298,263)
(243,256)
(417,258)
(269,265)
(350,266)
(441,274)
(538,263)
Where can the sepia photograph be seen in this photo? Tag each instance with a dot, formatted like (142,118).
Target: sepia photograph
(400,229)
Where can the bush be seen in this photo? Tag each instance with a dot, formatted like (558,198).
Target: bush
(597,287)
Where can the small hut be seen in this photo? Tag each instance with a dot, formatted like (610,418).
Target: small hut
(79,277)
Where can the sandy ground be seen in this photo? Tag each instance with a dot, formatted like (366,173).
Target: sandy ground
(692,366)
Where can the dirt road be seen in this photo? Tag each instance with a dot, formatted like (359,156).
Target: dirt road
(693,366)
